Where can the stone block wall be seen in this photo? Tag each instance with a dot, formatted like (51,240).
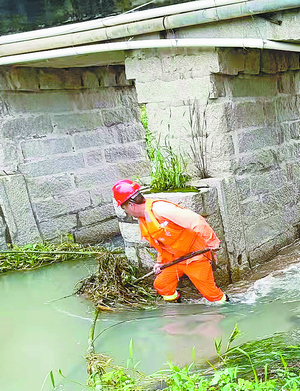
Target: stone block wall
(66,135)
(248,102)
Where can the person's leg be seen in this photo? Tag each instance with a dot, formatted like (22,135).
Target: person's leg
(166,283)
(201,275)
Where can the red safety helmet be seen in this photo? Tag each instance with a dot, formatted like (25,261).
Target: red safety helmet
(125,189)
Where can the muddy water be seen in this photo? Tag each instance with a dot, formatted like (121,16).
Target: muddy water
(38,336)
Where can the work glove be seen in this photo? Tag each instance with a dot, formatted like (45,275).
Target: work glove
(156,268)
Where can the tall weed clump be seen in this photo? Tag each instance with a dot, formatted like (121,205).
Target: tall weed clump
(197,126)
(167,167)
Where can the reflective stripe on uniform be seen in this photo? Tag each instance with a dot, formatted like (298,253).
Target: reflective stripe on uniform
(171,297)
(222,300)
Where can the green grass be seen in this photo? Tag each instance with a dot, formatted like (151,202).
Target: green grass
(271,363)
(168,167)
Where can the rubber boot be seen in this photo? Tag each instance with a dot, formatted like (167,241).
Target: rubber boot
(178,300)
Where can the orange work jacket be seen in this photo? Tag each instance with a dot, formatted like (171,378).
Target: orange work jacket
(170,239)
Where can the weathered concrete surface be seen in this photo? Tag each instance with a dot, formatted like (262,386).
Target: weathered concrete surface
(17,214)
(279,26)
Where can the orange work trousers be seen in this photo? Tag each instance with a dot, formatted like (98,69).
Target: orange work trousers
(199,272)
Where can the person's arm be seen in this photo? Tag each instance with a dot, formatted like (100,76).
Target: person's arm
(186,219)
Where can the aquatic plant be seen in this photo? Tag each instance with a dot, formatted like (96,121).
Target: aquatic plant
(32,256)
(111,286)
(263,365)
(114,377)
(55,376)
(103,374)
(277,355)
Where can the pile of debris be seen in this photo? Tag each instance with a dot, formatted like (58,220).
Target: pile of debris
(112,286)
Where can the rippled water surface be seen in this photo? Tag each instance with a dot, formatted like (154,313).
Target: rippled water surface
(38,335)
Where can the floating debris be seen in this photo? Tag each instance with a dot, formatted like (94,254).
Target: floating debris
(33,256)
(112,286)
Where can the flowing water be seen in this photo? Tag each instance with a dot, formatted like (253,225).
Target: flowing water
(39,335)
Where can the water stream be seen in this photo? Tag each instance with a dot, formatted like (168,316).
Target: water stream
(39,335)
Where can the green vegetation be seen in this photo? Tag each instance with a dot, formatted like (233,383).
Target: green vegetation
(271,363)
(26,15)
(112,286)
(32,256)
(168,168)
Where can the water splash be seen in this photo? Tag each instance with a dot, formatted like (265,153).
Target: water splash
(280,285)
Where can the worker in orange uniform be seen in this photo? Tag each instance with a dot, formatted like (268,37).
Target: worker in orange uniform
(173,231)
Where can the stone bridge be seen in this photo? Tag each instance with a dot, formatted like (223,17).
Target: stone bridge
(70,122)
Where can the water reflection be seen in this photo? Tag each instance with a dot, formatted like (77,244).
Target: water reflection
(159,335)
(260,308)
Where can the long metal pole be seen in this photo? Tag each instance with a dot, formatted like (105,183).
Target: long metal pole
(175,261)
(148,44)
